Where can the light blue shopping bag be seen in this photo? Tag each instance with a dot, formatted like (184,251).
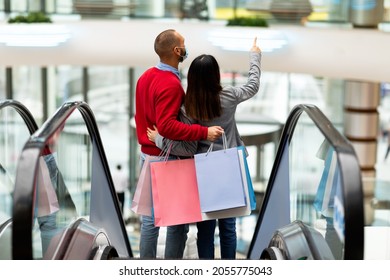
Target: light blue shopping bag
(326,192)
(220,184)
(251,192)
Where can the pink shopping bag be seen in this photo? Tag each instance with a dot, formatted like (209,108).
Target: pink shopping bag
(142,201)
(175,192)
(47,200)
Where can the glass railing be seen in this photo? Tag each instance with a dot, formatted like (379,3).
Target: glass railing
(65,205)
(16,126)
(284,11)
(313,205)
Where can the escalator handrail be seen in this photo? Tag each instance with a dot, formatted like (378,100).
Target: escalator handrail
(5,225)
(347,159)
(31,125)
(22,212)
(23,112)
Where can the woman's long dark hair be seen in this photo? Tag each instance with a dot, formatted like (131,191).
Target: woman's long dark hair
(202,101)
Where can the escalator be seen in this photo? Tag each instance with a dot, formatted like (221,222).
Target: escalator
(65,205)
(16,126)
(312,208)
(313,204)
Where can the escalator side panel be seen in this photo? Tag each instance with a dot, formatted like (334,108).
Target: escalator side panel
(103,210)
(277,202)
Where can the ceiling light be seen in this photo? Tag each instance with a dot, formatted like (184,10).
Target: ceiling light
(239,39)
(33,35)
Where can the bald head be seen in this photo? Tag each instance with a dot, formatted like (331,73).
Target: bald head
(166,41)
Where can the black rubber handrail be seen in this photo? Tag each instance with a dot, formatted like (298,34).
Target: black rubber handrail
(24,184)
(4,225)
(23,112)
(352,190)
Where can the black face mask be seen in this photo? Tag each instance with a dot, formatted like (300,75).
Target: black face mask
(183,56)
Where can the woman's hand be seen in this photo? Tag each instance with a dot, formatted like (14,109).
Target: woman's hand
(152,133)
(255,48)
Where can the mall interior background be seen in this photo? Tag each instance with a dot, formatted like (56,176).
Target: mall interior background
(109,89)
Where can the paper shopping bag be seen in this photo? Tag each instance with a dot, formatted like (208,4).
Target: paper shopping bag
(251,192)
(324,199)
(219,180)
(238,211)
(47,201)
(142,201)
(175,192)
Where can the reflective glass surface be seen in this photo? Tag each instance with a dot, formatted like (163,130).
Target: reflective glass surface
(63,184)
(315,184)
(13,135)
(313,204)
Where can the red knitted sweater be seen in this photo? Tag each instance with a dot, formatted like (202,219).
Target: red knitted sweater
(159,95)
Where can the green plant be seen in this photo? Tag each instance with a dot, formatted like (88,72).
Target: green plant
(32,17)
(248,21)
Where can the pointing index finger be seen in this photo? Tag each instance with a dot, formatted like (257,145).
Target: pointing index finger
(255,41)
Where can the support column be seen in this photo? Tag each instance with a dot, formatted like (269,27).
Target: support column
(361,127)
(366,13)
(7,7)
(133,146)
(361,122)
(44,85)
(9,88)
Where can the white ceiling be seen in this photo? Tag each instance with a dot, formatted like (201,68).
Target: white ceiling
(361,54)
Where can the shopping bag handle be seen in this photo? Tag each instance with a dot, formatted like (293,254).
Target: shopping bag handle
(166,150)
(224,143)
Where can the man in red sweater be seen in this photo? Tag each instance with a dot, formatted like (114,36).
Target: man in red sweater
(159,95)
